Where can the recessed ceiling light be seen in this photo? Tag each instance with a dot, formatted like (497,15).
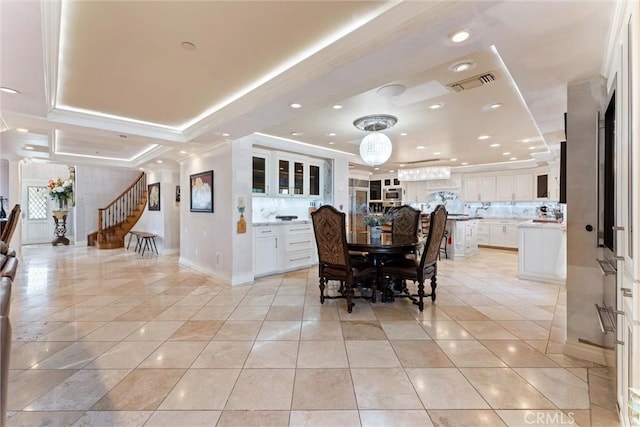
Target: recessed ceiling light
(403,134)
(462,66)
(391,171)
(22,130)
(464,163)
(402,165)
(435,106)
(526,140)
(8,90)
(337,107)
(183,152)
(331,142)
(296,133)
(513,158)
(295,105)
(225,134)
(28,147)
(436,153)
(506,153)
(188,46)
(460,36)
(532,148)
(376,169)
(331,134)
(453,160)
(495,105)
(420,147)
(494,145)
(483,137)
(158,161)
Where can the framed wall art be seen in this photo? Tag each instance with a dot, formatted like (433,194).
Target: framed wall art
(153,196)
(201,191)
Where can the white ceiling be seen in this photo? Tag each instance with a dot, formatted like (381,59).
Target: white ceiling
(110,81)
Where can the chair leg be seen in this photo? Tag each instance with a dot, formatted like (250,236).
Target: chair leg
(374,289)
(420,295)
(322,286)
(434,284)
(349,297)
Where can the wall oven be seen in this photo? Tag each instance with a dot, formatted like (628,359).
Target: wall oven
(392,195)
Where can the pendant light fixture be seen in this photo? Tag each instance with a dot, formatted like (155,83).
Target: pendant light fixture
(375,148)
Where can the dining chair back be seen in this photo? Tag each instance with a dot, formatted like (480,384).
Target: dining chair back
(406,221)
(334,263)
(427,266)
(10,226)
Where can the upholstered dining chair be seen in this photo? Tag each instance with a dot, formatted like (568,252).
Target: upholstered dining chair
(10,226)
(329,226)
(425,268)
(406,222)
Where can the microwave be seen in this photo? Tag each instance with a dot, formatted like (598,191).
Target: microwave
(392,194)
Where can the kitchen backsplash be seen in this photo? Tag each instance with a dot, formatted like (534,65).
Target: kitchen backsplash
(454,205)
(265,209)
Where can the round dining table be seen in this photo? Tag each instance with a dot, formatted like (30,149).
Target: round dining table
(379,250)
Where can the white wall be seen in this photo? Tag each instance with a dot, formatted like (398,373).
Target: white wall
(165,222)
(241,187)
(206,239)
(4,178)
(96,187)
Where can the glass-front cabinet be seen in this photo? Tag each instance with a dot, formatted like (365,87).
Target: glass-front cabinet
(315,180)
(291,175)
(260,181)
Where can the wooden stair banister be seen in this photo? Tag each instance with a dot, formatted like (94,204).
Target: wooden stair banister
(119,217)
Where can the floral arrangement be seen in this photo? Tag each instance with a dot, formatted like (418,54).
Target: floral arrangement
(60,190)
(371,219)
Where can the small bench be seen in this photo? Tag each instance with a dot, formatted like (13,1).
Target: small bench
(144,241)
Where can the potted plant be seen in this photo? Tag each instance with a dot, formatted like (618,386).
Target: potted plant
(374,221)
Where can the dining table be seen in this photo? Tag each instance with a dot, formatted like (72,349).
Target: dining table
(379,250)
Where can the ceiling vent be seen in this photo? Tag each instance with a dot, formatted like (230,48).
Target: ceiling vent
(472,82)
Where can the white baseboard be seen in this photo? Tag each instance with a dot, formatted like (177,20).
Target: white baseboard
(242,279)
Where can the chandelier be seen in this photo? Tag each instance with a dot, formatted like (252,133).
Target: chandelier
(375,148)
(424,174)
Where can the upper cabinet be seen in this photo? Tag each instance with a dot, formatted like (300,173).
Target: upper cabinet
(514,187)
(479,189)
(260,182)
(284,174)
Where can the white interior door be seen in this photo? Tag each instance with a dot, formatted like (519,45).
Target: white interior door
(37,223)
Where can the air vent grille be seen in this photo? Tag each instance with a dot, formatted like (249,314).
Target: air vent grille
(472,82)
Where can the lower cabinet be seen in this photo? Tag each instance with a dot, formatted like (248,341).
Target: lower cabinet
(501,233)
(462,241)
(281,248)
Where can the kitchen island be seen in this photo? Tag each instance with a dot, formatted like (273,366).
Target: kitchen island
(542,251)
(462,236)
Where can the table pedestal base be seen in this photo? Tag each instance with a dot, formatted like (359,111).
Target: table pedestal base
(60,221)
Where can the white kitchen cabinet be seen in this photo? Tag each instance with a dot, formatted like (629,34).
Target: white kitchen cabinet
(483,233)
(414,191)
(514,187)
(299,246)
(261,173)
(504,234)
(265,250)
(479,188)
(283,174)
(542,252)
(462,241)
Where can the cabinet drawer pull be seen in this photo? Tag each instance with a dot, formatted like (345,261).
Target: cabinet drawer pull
(266,231)
(298,259)
(626,292)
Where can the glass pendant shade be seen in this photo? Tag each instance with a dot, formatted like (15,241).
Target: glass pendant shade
(375,148)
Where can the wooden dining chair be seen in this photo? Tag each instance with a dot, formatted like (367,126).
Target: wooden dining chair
(329,226)
(419,270)
(406,221)
(10,226)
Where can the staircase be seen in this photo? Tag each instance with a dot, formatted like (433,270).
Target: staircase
(117,219)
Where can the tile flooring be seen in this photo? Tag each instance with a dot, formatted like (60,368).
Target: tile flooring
(107,338)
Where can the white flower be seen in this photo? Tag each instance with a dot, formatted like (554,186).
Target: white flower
(59,190)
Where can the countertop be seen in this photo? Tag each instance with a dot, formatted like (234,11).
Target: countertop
(280,222)
(542,224)
(462,217)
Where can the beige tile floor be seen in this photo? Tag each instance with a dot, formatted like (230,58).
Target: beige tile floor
(107,338)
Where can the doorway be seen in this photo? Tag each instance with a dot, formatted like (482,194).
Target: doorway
(37,224)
